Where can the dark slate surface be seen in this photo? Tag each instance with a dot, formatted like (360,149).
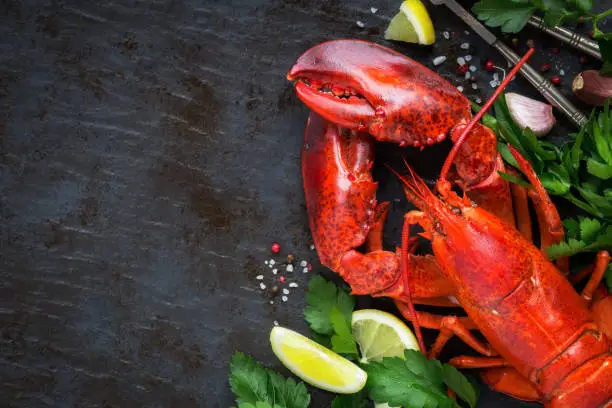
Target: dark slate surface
(149,154)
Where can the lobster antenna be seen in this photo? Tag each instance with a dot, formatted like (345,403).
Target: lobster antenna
(451,156)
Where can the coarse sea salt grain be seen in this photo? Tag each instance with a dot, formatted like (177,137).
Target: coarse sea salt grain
(468,58)
(474,85)
(293,285)
(274,271)
(285,291)
(473,68)
(289,268)
(465,46)
(461,61)
(468,75)
(439,60)
(561,72)
(275,323)
(272,262)
(284,298)
(493,84)
(478,101)
(303,264)
(271,302)
(262,286)
(496,76)
(259,277)
(266,262)
(312,247)
(466,32)
(360,24)
(373,10)
(446,35)
(460,88)
(305,270)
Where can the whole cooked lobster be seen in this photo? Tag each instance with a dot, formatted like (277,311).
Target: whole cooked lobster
(544,341)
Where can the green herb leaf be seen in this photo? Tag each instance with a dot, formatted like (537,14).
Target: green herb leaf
(342,341)
(510,15)
(258,404)
(572,227)
(605,47)
(514,179)
(416,382)
(460,385)
(569,248)
(252,383)
(589,229)
(329,313)
(358,400)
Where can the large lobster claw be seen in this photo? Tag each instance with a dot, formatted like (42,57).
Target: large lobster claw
(365,86)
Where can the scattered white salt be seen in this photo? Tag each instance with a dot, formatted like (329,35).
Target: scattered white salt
(285,291)
(275,323)
(478,101)
(460,88)
(468,75)
(272,262)
(284,298)
(474,85)
(271,302)
(465,46)
(305,270)
(312,247)
(373,10)
(561,72)
(446,35)
(293,284)
(473,68)
(289,268)
(496,76)
(266,262)
(493,84)
(259,277)
(466,32)
(262,286)
(274,271)
(461,61)
(439,60)
(468,58)
(303,264)
(360,24)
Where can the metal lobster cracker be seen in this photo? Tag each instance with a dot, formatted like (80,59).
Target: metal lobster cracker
(544,341)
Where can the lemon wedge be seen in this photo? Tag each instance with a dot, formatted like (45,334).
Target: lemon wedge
(380,334)
(315,364)
(412,24)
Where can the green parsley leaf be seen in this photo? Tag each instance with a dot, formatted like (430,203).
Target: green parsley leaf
(258,404)
(358,400)
(510,15)
(252,383)
(605,47)
(600,170)
(589,229)
(569,248)
(329,313)
(342,341)
(416,382)
(321,299)
(572,227)
(583,235)
(460,384)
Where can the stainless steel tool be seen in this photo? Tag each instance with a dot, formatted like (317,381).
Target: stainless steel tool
(548,91)
(573,39)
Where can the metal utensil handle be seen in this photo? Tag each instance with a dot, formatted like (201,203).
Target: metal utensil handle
(552,95)
(575,40)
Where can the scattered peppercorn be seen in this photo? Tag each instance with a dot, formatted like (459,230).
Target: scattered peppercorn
(462,69)
(530,43)
(290,258)
(556,80)
(555,50)
(490,66)
(275,289)
(515,42)
(545,67)
(276,247)
(584,60)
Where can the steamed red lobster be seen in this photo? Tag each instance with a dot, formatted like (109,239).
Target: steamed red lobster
(544,341)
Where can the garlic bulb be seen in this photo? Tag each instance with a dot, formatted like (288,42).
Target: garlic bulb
(529,113)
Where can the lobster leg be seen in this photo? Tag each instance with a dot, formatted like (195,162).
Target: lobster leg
(509,381)
(601,265)
(521,207)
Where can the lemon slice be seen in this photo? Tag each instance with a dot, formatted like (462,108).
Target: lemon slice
(411,24)
(315,364)
(380,334)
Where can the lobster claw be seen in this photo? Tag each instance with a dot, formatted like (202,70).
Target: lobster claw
(368,87)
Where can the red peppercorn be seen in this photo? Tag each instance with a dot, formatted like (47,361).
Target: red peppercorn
(282,279)
(556,80)
(490,66)
(309,266)
(462,69)
(555,50)
(545,67)
(276,247)
(584,60)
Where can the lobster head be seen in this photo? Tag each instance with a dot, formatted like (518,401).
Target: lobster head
(365,86)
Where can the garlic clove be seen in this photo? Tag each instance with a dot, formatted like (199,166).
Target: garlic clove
(529,113)
(592,88)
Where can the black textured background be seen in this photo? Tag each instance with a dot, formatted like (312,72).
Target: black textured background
(149,155)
